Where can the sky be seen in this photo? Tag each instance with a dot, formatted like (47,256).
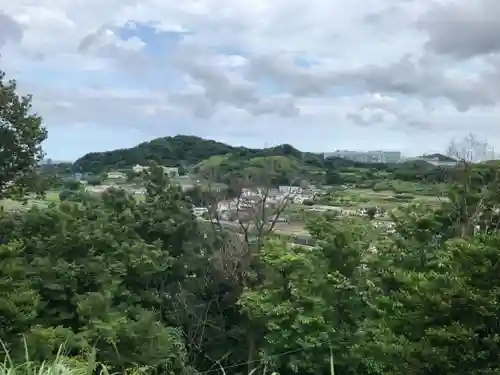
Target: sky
(407,75)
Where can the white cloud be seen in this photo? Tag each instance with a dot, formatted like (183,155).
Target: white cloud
(320,75)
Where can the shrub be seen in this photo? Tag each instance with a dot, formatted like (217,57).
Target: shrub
(94,181)
(382,186)
(66,195)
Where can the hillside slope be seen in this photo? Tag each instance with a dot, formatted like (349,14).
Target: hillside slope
(184,151)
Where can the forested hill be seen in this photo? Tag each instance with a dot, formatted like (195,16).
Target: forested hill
(181,151)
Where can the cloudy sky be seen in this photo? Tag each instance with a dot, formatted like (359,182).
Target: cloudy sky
(405,75)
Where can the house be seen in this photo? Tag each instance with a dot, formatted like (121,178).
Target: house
(78,176)
(116,176)
(139,168)
(279,219)
(299,199)
(290,190)
(199,211)
(170,171)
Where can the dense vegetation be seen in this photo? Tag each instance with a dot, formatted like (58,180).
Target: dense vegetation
(221,162)
(146,287)
(181,151)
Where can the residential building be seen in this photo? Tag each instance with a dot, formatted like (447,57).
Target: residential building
(290,190)
(367,156)
(171,171)
(139,168)
(199,211)
(277,219)
(116,176)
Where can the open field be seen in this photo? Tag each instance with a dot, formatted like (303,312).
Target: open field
(384,197)
(50,196)
(363,198)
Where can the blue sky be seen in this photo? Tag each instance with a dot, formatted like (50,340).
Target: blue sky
(326,75)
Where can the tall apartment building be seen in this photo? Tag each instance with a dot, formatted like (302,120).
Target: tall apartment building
(367,156)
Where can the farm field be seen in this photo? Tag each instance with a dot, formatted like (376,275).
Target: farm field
(9,204)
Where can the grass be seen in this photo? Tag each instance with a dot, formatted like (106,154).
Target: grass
(60,364)
(9,204)
(88,365)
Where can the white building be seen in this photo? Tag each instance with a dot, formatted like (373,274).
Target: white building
(171,171)
(199,211)
(290,190)
(116,176)
(139,168)
(366,156)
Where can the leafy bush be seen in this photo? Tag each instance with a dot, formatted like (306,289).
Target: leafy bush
(67,195)
(70,184)
(94,181)
(382,186)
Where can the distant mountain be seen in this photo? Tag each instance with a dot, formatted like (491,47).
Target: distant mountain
(183,151)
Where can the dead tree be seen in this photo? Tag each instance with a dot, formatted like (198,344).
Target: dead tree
(472,200)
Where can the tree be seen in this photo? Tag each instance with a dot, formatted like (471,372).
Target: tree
(312,302)
(371,212)
(107,273)
(72,185)
(472,196)
(436,300)
(470,149)
(94,180)
(333,178)
(21,136)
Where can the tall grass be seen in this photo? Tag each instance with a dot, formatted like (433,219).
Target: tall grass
(64,365)
(59,365)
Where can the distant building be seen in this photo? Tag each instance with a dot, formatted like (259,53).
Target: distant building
(171,171)
(78,176)
(438,160)
(290,190)
(139,168)
(116,175)
(367,156)
(199,211)
(277,219)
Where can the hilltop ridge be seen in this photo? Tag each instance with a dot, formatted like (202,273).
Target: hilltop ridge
(184,151)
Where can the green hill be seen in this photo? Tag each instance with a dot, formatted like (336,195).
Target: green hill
(285,168)
(186,151)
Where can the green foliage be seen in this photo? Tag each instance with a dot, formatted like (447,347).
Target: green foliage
(104,272)
(68,195)
(313,300)
(94,181)
(21,136)
(182,151)
(129,286)
(371,212)
(72,185)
